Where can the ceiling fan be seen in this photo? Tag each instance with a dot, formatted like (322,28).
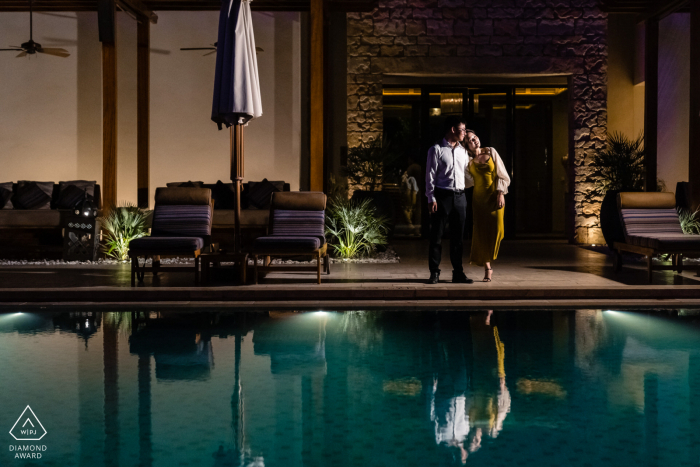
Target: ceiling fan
(213,49)
(30,47)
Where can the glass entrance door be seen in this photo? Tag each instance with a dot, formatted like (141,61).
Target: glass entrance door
(527,126)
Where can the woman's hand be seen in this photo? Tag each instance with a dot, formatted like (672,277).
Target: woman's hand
(501,202)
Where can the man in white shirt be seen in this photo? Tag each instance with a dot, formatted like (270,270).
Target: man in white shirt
(444,187)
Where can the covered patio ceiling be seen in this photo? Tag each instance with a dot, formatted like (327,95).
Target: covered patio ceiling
(184,5)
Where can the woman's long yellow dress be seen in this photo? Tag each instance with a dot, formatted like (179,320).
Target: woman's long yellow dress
(488,219)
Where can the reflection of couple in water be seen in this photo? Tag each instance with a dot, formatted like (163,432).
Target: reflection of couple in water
(469,396)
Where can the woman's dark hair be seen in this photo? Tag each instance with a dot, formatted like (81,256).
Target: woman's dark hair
(453,121)
(464,141)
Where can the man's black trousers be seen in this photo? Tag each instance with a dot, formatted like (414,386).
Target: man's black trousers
(452,207)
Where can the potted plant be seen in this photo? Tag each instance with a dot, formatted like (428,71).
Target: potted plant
(366,169)
(353,227)
(621,166)
(124,224)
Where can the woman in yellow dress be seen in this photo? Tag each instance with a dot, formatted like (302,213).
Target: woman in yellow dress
(490,179)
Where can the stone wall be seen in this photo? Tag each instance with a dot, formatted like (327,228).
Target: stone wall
(489,36)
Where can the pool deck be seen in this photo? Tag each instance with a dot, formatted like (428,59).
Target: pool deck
(528,274)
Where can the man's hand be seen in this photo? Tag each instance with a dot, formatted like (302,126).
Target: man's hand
(501,200)
(433,206)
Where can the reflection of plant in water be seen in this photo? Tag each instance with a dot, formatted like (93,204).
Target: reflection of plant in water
(544,387)
(122,321)
(403,386)
(361,329)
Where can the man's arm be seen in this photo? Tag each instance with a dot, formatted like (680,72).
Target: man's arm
(430,173)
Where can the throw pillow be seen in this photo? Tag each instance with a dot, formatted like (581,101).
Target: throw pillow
(185,184)
(224,196)
(259,194)
(30,195)
(70,197)
(82,184)
(6,195)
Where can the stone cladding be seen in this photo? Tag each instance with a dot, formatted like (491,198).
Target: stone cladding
(489,36)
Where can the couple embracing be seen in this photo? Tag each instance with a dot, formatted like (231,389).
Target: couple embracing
(451,168)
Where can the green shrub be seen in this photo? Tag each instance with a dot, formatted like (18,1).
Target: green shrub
(353,228)
(690,221)
(123,224)
(621,164)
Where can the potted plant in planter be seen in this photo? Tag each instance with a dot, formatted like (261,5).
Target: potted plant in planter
(124,224)
(353,227)
(366,170)
(621,166)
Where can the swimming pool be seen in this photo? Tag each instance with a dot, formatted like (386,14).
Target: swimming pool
(525,388)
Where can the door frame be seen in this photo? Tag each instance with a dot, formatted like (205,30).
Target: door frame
(507,154)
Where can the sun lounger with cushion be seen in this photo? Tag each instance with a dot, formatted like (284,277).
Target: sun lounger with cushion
(652,227)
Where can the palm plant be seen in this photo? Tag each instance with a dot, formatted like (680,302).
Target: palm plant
(354,227)
(621,164)
(123,224)
(690,221)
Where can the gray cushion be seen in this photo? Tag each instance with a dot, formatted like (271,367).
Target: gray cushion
(189,184)
(260,194)
(82,184)
(70,197)
(6,195)
(33,195)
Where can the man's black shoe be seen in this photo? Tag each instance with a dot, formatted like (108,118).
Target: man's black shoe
(461,278)
(434,278)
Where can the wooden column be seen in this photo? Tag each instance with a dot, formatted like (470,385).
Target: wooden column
(109,125)
(143,64)
(651,100)
(694,121)
(316,96)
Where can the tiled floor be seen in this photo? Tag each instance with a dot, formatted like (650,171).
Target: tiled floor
(525,271)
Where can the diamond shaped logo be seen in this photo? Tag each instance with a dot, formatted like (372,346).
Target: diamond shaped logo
(28,427)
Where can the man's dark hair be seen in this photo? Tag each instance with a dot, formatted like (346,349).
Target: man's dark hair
(453,121)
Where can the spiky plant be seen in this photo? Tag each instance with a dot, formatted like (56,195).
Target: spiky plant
(354,229)
(690,221)
(124,224)
(621,164)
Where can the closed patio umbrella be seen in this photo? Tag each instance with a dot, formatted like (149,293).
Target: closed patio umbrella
(236,86)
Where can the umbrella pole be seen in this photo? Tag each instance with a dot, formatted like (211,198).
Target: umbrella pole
(237,177)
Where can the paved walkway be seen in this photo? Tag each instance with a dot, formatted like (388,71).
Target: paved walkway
(527,274)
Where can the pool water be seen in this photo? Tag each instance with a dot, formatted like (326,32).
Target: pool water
(508,388)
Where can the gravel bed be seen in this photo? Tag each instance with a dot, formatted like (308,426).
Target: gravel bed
(386,257)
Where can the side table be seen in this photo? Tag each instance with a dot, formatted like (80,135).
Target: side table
(240,259)
(81,237)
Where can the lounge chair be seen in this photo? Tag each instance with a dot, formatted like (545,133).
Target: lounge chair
(297,222)
(651,226)
(181,226)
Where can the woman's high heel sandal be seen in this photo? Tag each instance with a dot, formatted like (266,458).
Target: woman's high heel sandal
(486,278)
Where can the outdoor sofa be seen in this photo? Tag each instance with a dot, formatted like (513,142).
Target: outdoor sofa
(651,226)
(37,231)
